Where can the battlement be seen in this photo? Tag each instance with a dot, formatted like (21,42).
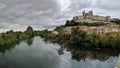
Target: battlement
(90,17)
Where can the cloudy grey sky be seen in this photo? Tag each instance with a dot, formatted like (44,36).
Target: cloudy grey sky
(18,14)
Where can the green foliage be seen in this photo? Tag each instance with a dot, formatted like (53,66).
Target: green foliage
(2,42)
(77,36)
(29,31)
(30,41)
(29,28)
(72,23)
(117,21)
(77,39)
(80,39)
(11,37)
(61,38)
(59,28)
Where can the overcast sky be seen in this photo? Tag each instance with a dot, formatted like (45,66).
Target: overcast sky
(18,14)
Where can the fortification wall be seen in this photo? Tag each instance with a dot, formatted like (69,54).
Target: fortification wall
(78,18)
(99,18)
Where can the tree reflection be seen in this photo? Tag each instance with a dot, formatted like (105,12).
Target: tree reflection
(30,41)
(5,48)
(92,54)
(60,51)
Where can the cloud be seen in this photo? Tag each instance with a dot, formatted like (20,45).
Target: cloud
(51,13)
(2,6)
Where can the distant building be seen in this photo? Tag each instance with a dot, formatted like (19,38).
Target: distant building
(102,30)
(110,29)
(89,17)
(68,30)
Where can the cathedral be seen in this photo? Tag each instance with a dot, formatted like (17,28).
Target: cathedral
(89,17)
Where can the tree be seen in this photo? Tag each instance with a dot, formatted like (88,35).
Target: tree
(29,28)
(2,42)
(78,36)
(29,31)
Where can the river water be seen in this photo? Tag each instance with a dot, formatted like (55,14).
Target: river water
(36,53)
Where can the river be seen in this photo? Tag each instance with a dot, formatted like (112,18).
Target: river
(36,53)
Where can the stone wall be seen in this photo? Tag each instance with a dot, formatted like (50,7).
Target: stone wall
(99,18)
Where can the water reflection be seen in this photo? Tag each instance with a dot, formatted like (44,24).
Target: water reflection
(61,50)
(93,55)
(5,48)
(30,41)
(35,53)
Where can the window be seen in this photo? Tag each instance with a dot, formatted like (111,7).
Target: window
(102,33)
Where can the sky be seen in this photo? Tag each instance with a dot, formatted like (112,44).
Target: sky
(18,14)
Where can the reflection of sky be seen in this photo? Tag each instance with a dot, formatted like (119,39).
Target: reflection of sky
(94,63)
(50,13)
(41,55)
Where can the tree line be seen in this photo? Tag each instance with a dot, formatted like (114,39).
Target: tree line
(77,38)
(11,37)
(72,23)
(80,39)
(117,21)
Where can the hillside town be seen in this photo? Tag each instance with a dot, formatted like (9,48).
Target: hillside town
(109,28)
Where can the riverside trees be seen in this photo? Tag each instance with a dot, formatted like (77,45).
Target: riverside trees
(77,38)
(12,37)
(80,39)
(72,23)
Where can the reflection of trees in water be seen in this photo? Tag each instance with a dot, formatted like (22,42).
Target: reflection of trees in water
(60,51)
(93,54)
(5,48)
(82,54)
(30,41)
(47,41)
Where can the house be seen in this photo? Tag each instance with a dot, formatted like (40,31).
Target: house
(90,31)
(101,30)
(68,29)
(110,28)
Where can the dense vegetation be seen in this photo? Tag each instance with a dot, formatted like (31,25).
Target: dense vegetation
(77,38)
(60,38)
(11,37)
(117,21)
(72,23)
(80,39)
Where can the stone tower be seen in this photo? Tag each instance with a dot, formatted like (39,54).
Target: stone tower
(83,13)
(90,13)
(108,18)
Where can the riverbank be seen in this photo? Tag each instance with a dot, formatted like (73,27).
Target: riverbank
(77,39)
(11,37)
(80,39)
